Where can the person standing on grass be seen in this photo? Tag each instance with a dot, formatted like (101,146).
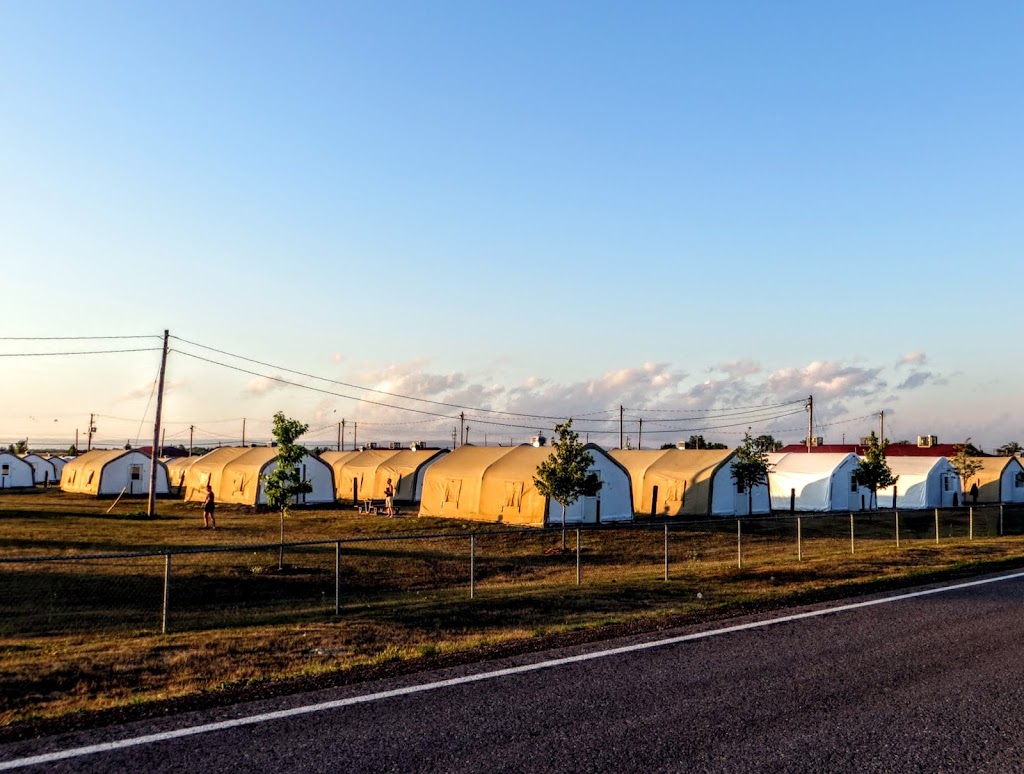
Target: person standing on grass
(208,520)
(389,499)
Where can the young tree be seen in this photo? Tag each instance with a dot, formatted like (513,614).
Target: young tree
(750,468)
(72,451)
(965,462)
(284,483)
(565,475)
(873,471)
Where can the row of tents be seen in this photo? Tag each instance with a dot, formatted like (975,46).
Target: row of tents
(29,470)
(495,483)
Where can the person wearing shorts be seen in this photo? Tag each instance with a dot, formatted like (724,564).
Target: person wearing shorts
(208,520)
(389,499)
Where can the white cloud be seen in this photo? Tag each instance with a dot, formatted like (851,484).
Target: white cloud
(912,359)
(147,390)
(261,385)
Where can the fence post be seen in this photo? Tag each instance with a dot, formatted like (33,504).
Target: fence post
(337,578)
(897,528)
(852,548)
(666,552)
(799,541)
(739,544)
(472,566)
(936,526)
(970,528)
(167,593)
(577,556)
(1000,521)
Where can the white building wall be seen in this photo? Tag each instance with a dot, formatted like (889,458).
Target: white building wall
(15,472)
(319,474)
(43,470)
(130,472)
(616,497)
(1012,489)
(726,501)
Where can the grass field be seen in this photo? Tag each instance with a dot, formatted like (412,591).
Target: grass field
(77,636)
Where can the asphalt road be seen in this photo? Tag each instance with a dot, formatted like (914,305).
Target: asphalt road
(926,683)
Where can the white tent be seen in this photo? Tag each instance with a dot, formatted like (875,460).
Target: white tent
(815,482)
(112,472)
(43,471)
(924,482)
(58,464)
(15,472)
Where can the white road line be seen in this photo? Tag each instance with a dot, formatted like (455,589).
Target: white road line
(308,709)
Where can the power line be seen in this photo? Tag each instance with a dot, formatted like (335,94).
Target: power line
(73,338)
(90,352)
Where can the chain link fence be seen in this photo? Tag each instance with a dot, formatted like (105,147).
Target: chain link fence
(273,583)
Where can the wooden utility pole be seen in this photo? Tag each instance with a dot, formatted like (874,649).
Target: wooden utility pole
(810,420)
(92,429)
(191,429)
(621,410)
(243,431)
(343,435)
(339,436)
(640,434)
(355,435)
(151,510)
(881,427)
(462,428)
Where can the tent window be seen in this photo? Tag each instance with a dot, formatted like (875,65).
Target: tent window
(239,484)
(88,479)
(1018,481)
(71,478)
(853,483)
(136,472)
(514,494)
(6,470)
(945,483)
(740,489)
(452,488)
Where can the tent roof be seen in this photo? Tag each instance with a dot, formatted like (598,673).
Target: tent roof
(470,460)
(909,466)
(806,463)
(992,468)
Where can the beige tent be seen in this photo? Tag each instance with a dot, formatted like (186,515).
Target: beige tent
(111,472)
(1000,480)
(364,475)
(495,483)
(687,482)
(235,474)
(177,467)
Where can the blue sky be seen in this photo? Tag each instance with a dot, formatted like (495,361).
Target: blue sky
(533,207)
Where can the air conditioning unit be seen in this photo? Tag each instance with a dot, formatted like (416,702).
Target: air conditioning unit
(926,441)
(394,445)
(817,441)
(371,445)
(865,440)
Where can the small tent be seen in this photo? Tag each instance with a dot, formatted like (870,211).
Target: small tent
(58,464)
(1000,480)
(687,482)
(43,471)
(366,473)
(495,483)
(15,473)
(924,482)
(111,473)
(236,475)
(816,482)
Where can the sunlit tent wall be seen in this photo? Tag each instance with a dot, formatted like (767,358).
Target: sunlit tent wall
(924,482)
(337,460)
(15,472)
(43,471)
(817,482)
(1000,480)
(687,482)
(111,472)
(495,483)
(365,474)
(177,468)
(236,476)
(58,464)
